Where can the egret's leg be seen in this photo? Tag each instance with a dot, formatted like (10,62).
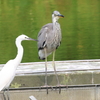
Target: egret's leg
(4,95)
(55,67)
(8,94)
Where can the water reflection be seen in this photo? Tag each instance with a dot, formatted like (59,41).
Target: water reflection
(80,27)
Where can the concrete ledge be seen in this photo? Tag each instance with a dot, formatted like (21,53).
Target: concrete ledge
(81,79)
(85,92)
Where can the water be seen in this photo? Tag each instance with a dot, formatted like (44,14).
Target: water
(80,27)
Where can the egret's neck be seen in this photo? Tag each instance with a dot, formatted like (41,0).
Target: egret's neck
(19,52)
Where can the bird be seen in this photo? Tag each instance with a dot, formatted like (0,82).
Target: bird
(49,39)
(7,73)
(32,97)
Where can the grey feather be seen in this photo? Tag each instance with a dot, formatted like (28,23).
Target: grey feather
(49,36)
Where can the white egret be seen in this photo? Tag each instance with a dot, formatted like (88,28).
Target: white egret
(7,73)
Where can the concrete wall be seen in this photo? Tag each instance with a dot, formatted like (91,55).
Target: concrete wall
(70,93)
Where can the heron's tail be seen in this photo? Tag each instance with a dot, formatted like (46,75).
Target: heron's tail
(41,54)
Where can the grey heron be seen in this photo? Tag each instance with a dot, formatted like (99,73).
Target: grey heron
(7,73)
(49,39)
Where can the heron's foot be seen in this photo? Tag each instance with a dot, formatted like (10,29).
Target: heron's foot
(46,87)
(59,86)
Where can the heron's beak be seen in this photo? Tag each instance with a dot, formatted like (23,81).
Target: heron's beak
(32,39)
(61,16)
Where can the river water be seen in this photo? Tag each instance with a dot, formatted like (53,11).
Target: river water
(80,28)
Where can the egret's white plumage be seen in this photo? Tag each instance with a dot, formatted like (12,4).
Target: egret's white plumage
(7,73)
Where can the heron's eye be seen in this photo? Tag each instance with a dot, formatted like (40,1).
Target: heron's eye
(55,15)
(25,37)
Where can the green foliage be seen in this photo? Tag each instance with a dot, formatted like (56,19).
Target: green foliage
(66,79)
(16,85)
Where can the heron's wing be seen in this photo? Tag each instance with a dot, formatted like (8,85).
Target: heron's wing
(42,36)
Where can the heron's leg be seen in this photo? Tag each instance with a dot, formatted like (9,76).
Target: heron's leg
(46,69)
(55,67)
(56,71)
(45,66)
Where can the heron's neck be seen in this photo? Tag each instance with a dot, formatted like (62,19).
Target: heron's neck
(54,20)
(19,52)
(56,26)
